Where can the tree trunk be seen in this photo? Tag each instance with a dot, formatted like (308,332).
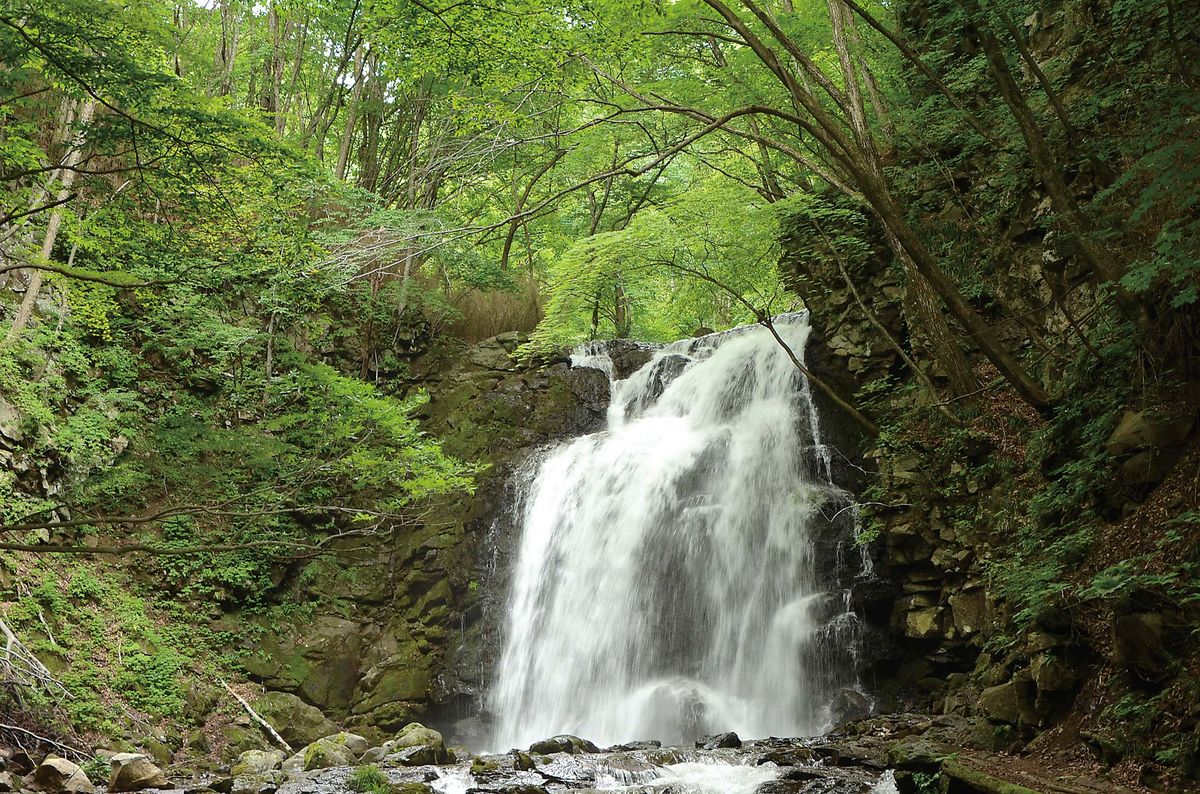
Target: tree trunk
(65,177)
(273,67)
(351,114)
(227,47)
(930,322)
(830,134)
(1101,262)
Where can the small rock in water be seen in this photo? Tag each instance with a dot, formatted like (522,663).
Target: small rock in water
(787,757)
(648,744)
(719,740)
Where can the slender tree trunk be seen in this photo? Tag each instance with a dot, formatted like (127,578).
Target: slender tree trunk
(351,114)
(273,68)
(289,98)
(1036,69)
(178,18)
(519,201)
(371,111)
(227,47)
(65,177)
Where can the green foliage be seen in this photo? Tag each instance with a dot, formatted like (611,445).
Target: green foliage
(369,779)
(701,260)
(97,770)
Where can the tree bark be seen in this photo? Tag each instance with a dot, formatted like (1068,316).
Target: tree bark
(65,177)
(931,323)
(351,114)
(227,47)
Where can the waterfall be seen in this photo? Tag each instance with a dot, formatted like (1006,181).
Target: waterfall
(673,576)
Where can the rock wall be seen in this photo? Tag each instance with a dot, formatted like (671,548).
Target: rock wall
(396,628)
(1109,670)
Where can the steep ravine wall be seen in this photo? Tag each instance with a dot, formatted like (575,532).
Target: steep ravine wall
(1105,669)
(400,630)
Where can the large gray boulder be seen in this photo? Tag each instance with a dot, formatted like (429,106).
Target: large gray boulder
(60,775)
(1139,644)
(134,772)
(1148,430)
(258,762)
(414,745)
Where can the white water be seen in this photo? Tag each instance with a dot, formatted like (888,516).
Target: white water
(692,777)
(666,584)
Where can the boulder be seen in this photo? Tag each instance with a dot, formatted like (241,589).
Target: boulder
(644,744)
(414,745)
(10,424)
(258,762)
(729,739)
(849,705)
(1001,703)
(967,610)
(1052,674)
(1147,468)
(1139,645)
(264,783)
(321,754)
(9,782)
(781,787)
(60,775)
(563,743)
(16,760)
(629,359)
(1148,430)
(319,660)
(923,623)
(914,752)
(297,722)
(134,772)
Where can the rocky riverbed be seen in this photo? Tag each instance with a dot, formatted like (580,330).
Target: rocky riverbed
(896,754)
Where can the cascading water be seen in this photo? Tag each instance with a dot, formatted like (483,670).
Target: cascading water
(670,580)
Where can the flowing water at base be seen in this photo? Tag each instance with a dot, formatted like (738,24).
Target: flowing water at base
(668,581)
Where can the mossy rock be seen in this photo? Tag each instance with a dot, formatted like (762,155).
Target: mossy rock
(257,762)
(321,754)
(404,676)
(297,722)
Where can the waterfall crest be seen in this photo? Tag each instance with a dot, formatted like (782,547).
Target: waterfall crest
(670,580)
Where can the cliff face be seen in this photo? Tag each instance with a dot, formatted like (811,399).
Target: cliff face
(1038,570)
(404,627)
